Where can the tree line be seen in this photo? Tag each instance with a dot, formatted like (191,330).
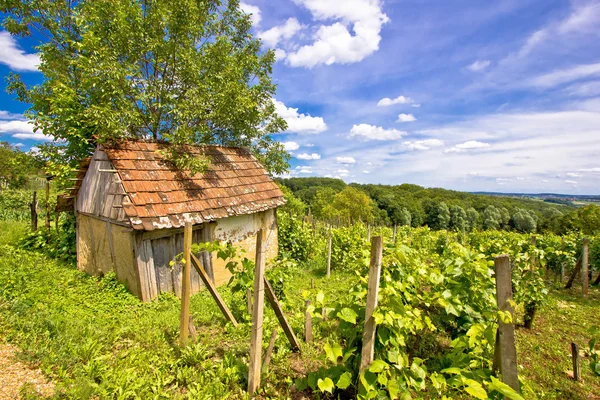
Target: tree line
(412,205)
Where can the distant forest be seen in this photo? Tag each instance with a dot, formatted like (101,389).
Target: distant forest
(407,204)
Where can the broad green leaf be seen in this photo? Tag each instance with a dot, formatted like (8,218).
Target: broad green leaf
(393,388)
(452,371)
(345,381)
(475,389)
(326,385)
(320,297)
(348,315)
(377,366)
(503,388)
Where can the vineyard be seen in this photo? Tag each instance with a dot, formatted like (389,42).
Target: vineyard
(436,320)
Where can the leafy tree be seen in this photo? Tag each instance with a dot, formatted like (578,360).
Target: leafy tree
(16,166)
(492,219)
(186,72)
(504,217)
(472,219)
(588,219)
(293,205)
(458,218)
(322,206)
(354,204)
(402,217)
(438,216)
(523,221)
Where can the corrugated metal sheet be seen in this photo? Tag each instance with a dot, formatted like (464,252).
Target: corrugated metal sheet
(161,196)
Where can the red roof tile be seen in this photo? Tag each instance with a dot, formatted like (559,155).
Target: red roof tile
(163,197)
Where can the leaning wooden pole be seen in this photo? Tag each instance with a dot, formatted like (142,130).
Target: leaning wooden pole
(34,215)
(185,284)
(506,331)
(254,368)
(47,205)
(368,345)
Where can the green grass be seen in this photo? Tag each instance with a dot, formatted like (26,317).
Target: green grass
(544,352)
(12,231)
(93,339)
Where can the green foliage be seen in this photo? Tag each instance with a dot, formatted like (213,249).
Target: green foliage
(523,221)
(593,352)
(458,219)
(438,216)
(352,204)
(186,72)
(59,245)
(16,167)
(14,205)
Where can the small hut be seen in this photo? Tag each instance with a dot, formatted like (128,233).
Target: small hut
(131,205)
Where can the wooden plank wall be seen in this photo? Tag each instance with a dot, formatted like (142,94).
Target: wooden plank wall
(154,253)
(101,193)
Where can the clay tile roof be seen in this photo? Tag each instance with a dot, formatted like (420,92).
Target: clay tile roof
(164,197)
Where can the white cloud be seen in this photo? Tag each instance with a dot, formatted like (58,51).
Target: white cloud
(18,145)
(306,156)
(14,57)
(573,175)
(366,172)
(290,146)
(566,75)
(22,129)
(253,11)
(584,89)
(479,65)
(280,54)
(582,19)
(574,183)
(406,118)
(372,132)
(299,123)
(342,171)
(335,43)
(386,101)
(273,36)
(593,170)
(309,145)
(423,145)
(466,146)
(304,169)
(345,160)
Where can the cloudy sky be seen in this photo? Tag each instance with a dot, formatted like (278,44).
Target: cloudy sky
(461,94)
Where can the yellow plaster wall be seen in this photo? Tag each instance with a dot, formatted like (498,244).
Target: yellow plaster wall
(241,232)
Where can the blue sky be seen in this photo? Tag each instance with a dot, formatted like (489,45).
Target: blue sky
(466,95)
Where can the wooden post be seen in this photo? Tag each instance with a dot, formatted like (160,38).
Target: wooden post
(575,356)
(574,274)
(508,351)
(185,284)
(394,237)
(34,215)
(249,300)
(257,314)
(213,291)
(584,268)
(48,203)
(287,329)
(368,346)
(308,336)
(269,352)
(329,254)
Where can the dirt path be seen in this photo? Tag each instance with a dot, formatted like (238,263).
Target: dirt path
(14,374)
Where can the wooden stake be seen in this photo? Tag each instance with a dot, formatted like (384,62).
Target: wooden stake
(575,356)
(368,346)
(287,329)
(249,300)
(329,254)
(394,237)
(185,284)
(508,351)
(34,215)
(584,268)
(269,352)
(257,314)
(574,274)
(308,336)
(213,291)
(47,203)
